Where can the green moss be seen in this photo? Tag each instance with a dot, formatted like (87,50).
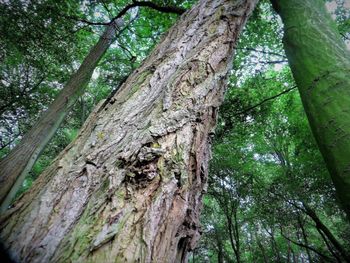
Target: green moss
(155,145)
(105,185)
(149,124)
(130,174)
(320,63)
(177,154)
(118,163)
(120,194)
(161,166)
(141,79)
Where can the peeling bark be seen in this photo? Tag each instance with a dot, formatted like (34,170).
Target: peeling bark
(129,188)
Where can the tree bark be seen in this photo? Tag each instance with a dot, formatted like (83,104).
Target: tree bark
(16,165)
(129,188)
(21,159)
(320,64)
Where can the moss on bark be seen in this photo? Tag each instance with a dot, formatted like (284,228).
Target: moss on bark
(320,64)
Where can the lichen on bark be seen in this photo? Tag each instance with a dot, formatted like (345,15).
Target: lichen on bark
(129,188)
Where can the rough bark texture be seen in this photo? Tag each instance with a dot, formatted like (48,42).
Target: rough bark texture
(21,159)
(129,188)
(320,64)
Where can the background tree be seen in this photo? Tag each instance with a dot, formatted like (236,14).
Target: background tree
(323,82)
(20,160)
(263,138)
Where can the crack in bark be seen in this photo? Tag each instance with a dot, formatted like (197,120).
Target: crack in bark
(138,170)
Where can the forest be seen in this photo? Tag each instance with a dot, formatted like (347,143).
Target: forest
(175,131)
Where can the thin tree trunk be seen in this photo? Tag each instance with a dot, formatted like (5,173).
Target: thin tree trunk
(322,227)
(295,256)
(320,64)
(236,233)
(261,247)
(16,165)
(83,110)
(129,188)
(303,231)
(274,245)
(220,246)
(328,245)
(288,251)
(220,251)
(21,159)
(232,235)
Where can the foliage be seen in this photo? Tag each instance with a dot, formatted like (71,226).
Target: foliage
(266,168)
(50,42)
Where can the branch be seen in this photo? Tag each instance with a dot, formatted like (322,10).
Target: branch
(262,51)
(105,6)
(229,125)
(9,142)
(273,61)
(265,100)
(305,246)
(163,9)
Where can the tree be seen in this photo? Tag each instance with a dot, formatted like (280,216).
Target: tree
(137,170)
(263,133)
(32,66)
(20,160)
(270,145)
(320,64)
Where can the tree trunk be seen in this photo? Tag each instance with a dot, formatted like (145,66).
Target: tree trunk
(304,235)
(320,64)
(16,165)
(322,227)
(261,247)
(129,188)
(220,247)
(273,242)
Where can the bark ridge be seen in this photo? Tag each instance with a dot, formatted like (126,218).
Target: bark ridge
(129,188)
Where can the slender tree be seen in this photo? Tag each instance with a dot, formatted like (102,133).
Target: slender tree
(322,227)
(129,188)
(16,165)
(320,64)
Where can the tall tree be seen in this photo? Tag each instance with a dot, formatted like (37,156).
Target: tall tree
(137,171)
(320,64)
(37,48)
(16,165)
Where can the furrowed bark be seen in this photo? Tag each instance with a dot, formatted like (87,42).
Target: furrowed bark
(320,64)
(21,159)
(129,188)
(15,166)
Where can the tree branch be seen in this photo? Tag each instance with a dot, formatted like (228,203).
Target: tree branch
(262,51)
(273,61)
(304,246)
(163,9)
(265,100)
